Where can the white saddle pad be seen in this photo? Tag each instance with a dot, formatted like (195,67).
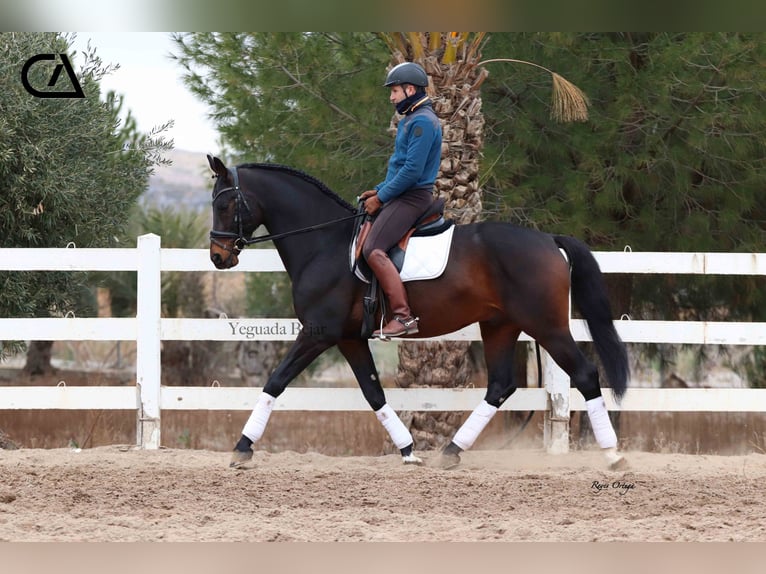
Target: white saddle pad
(425,257)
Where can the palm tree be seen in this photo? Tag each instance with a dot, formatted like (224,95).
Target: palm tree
(453,62)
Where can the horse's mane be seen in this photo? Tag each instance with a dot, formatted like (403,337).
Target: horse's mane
(304,176)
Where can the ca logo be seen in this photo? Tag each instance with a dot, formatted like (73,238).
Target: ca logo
(75,92)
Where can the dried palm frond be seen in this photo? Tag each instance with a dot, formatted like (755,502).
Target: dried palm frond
(415,41)
(569,103)
(395,41)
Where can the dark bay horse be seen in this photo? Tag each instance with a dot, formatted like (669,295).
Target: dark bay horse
(507,279)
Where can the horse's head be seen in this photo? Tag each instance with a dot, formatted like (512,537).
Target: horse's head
(234,217)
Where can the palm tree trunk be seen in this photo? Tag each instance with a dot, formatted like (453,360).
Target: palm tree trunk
(453,62)
(450,60)
(39,355)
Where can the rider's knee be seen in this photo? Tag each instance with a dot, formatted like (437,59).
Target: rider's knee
(369,251)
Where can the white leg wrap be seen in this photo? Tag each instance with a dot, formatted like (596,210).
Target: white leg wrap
(472,427)
(599,421)
(256,424)
(612,457)
(399,434)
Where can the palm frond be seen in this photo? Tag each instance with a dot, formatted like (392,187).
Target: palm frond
(434,41)
(569,103)
(416,45)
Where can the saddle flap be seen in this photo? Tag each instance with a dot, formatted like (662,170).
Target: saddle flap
(425,258)
(361,236)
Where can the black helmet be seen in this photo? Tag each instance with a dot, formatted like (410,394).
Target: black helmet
(407,73)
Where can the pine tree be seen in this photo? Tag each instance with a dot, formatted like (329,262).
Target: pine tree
(308,100)
(672,158)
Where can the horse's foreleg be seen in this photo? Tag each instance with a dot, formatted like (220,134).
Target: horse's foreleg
(301,354)
(357,353)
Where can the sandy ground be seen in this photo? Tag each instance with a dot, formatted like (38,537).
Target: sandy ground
(118,493)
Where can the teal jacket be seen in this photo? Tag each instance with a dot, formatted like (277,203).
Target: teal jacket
(417,154)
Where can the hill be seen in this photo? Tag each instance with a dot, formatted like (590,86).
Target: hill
(186,182)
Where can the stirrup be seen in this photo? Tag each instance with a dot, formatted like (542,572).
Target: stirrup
(409,327)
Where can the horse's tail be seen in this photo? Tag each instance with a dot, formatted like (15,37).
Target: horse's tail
(590,296)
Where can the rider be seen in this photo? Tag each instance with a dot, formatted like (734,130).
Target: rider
(407,190)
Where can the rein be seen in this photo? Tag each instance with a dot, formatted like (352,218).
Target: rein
(241,241)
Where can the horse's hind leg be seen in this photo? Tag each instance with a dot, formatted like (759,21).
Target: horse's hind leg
(357,353)
(499,347)
(584,375)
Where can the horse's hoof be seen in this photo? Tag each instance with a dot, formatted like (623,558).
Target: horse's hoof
(446,461)
(614,460)
(239,458)
(412,459)
(619,464)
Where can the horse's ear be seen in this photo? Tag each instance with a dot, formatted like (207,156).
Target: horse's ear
(217,166)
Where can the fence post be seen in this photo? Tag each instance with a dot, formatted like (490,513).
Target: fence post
(148,337)
(556,419)
(557,412)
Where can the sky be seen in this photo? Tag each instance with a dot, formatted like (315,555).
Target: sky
(150,82)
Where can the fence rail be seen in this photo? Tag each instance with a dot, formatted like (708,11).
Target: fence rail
(148,329)
(350,399)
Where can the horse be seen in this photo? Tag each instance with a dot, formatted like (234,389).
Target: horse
(506,278)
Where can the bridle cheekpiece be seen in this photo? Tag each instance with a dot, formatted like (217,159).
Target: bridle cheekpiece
(240,240)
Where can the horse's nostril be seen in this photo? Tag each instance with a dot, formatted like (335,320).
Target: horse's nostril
(216,257)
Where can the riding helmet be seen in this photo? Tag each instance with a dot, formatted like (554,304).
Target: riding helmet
(407,73)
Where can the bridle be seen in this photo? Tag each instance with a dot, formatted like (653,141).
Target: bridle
(240,239)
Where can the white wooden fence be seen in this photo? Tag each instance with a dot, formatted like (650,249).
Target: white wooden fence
(148,398)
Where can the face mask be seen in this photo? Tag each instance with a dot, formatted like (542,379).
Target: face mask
(404,106)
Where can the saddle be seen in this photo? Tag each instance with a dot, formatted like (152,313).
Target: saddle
(432,222)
